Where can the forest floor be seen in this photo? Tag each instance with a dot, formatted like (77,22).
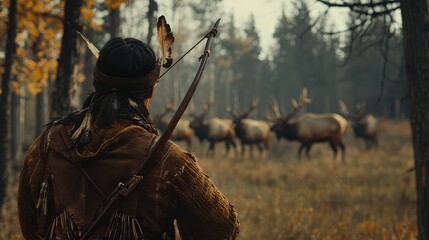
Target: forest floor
(370,196)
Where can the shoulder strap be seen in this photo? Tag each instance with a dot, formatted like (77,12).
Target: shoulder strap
(126,189)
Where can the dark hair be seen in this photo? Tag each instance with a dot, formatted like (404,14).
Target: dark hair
(120,57)
(126,57)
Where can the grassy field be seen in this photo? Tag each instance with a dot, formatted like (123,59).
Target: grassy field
(371,196)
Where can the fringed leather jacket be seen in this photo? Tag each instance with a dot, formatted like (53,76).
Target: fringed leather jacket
(63,188)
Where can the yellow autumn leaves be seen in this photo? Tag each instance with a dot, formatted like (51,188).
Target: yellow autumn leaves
(34,74)
(114,4)
(38,40)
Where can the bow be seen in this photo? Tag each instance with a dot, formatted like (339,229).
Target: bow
(149,162)
(164,34)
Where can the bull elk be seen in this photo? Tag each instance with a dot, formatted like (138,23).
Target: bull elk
(250,131)
(182,132)
(364,126)
(214,130)
(309,128)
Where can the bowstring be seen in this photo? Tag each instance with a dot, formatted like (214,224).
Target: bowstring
(178,60)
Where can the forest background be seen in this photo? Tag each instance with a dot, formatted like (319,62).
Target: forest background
(307,50)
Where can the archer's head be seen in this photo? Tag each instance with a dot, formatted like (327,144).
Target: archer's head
(128,66)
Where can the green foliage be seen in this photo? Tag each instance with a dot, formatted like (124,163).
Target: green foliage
(363,74)
(203,11)
(304,59)
(248,64)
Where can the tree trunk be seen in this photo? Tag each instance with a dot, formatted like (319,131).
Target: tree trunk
(16,126)
(62,95)
(41,111)
(415,21)
(153,7)
(5,98)
(88,64)
(114,17)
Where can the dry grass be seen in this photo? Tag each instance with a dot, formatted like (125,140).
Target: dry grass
(371,196)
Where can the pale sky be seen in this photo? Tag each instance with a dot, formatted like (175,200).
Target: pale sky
(267,14)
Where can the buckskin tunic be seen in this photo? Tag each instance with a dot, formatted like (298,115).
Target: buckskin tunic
(78,181)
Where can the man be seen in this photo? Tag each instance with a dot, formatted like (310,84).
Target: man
(72,168)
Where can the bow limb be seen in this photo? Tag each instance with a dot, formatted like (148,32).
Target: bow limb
(213,31)
(185,102)
(149,162)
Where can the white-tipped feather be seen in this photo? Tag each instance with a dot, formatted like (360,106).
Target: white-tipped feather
(91,46)
(165,40)
(83,128)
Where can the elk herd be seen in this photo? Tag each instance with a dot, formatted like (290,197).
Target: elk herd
(306,128)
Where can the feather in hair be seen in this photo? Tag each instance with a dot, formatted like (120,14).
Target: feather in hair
(81,133)
(165,40)
(91,46)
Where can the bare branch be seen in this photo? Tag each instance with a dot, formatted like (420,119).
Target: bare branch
(370,46)
(371,4)
(313,24)
(351,28)
(369,11)
(384,50)
(350,49)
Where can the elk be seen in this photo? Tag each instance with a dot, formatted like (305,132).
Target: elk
(182,132)
(159,120)
(364,126)
(215,130)
(309,128)
(249,131)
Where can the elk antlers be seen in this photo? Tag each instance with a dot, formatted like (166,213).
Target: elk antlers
(234,113)
(303,100)
(359,111)
(169,107)
(206,110)
(297,105)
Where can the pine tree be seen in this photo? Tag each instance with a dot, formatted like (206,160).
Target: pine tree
(249,64)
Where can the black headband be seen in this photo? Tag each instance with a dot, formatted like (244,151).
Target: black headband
(135,83)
